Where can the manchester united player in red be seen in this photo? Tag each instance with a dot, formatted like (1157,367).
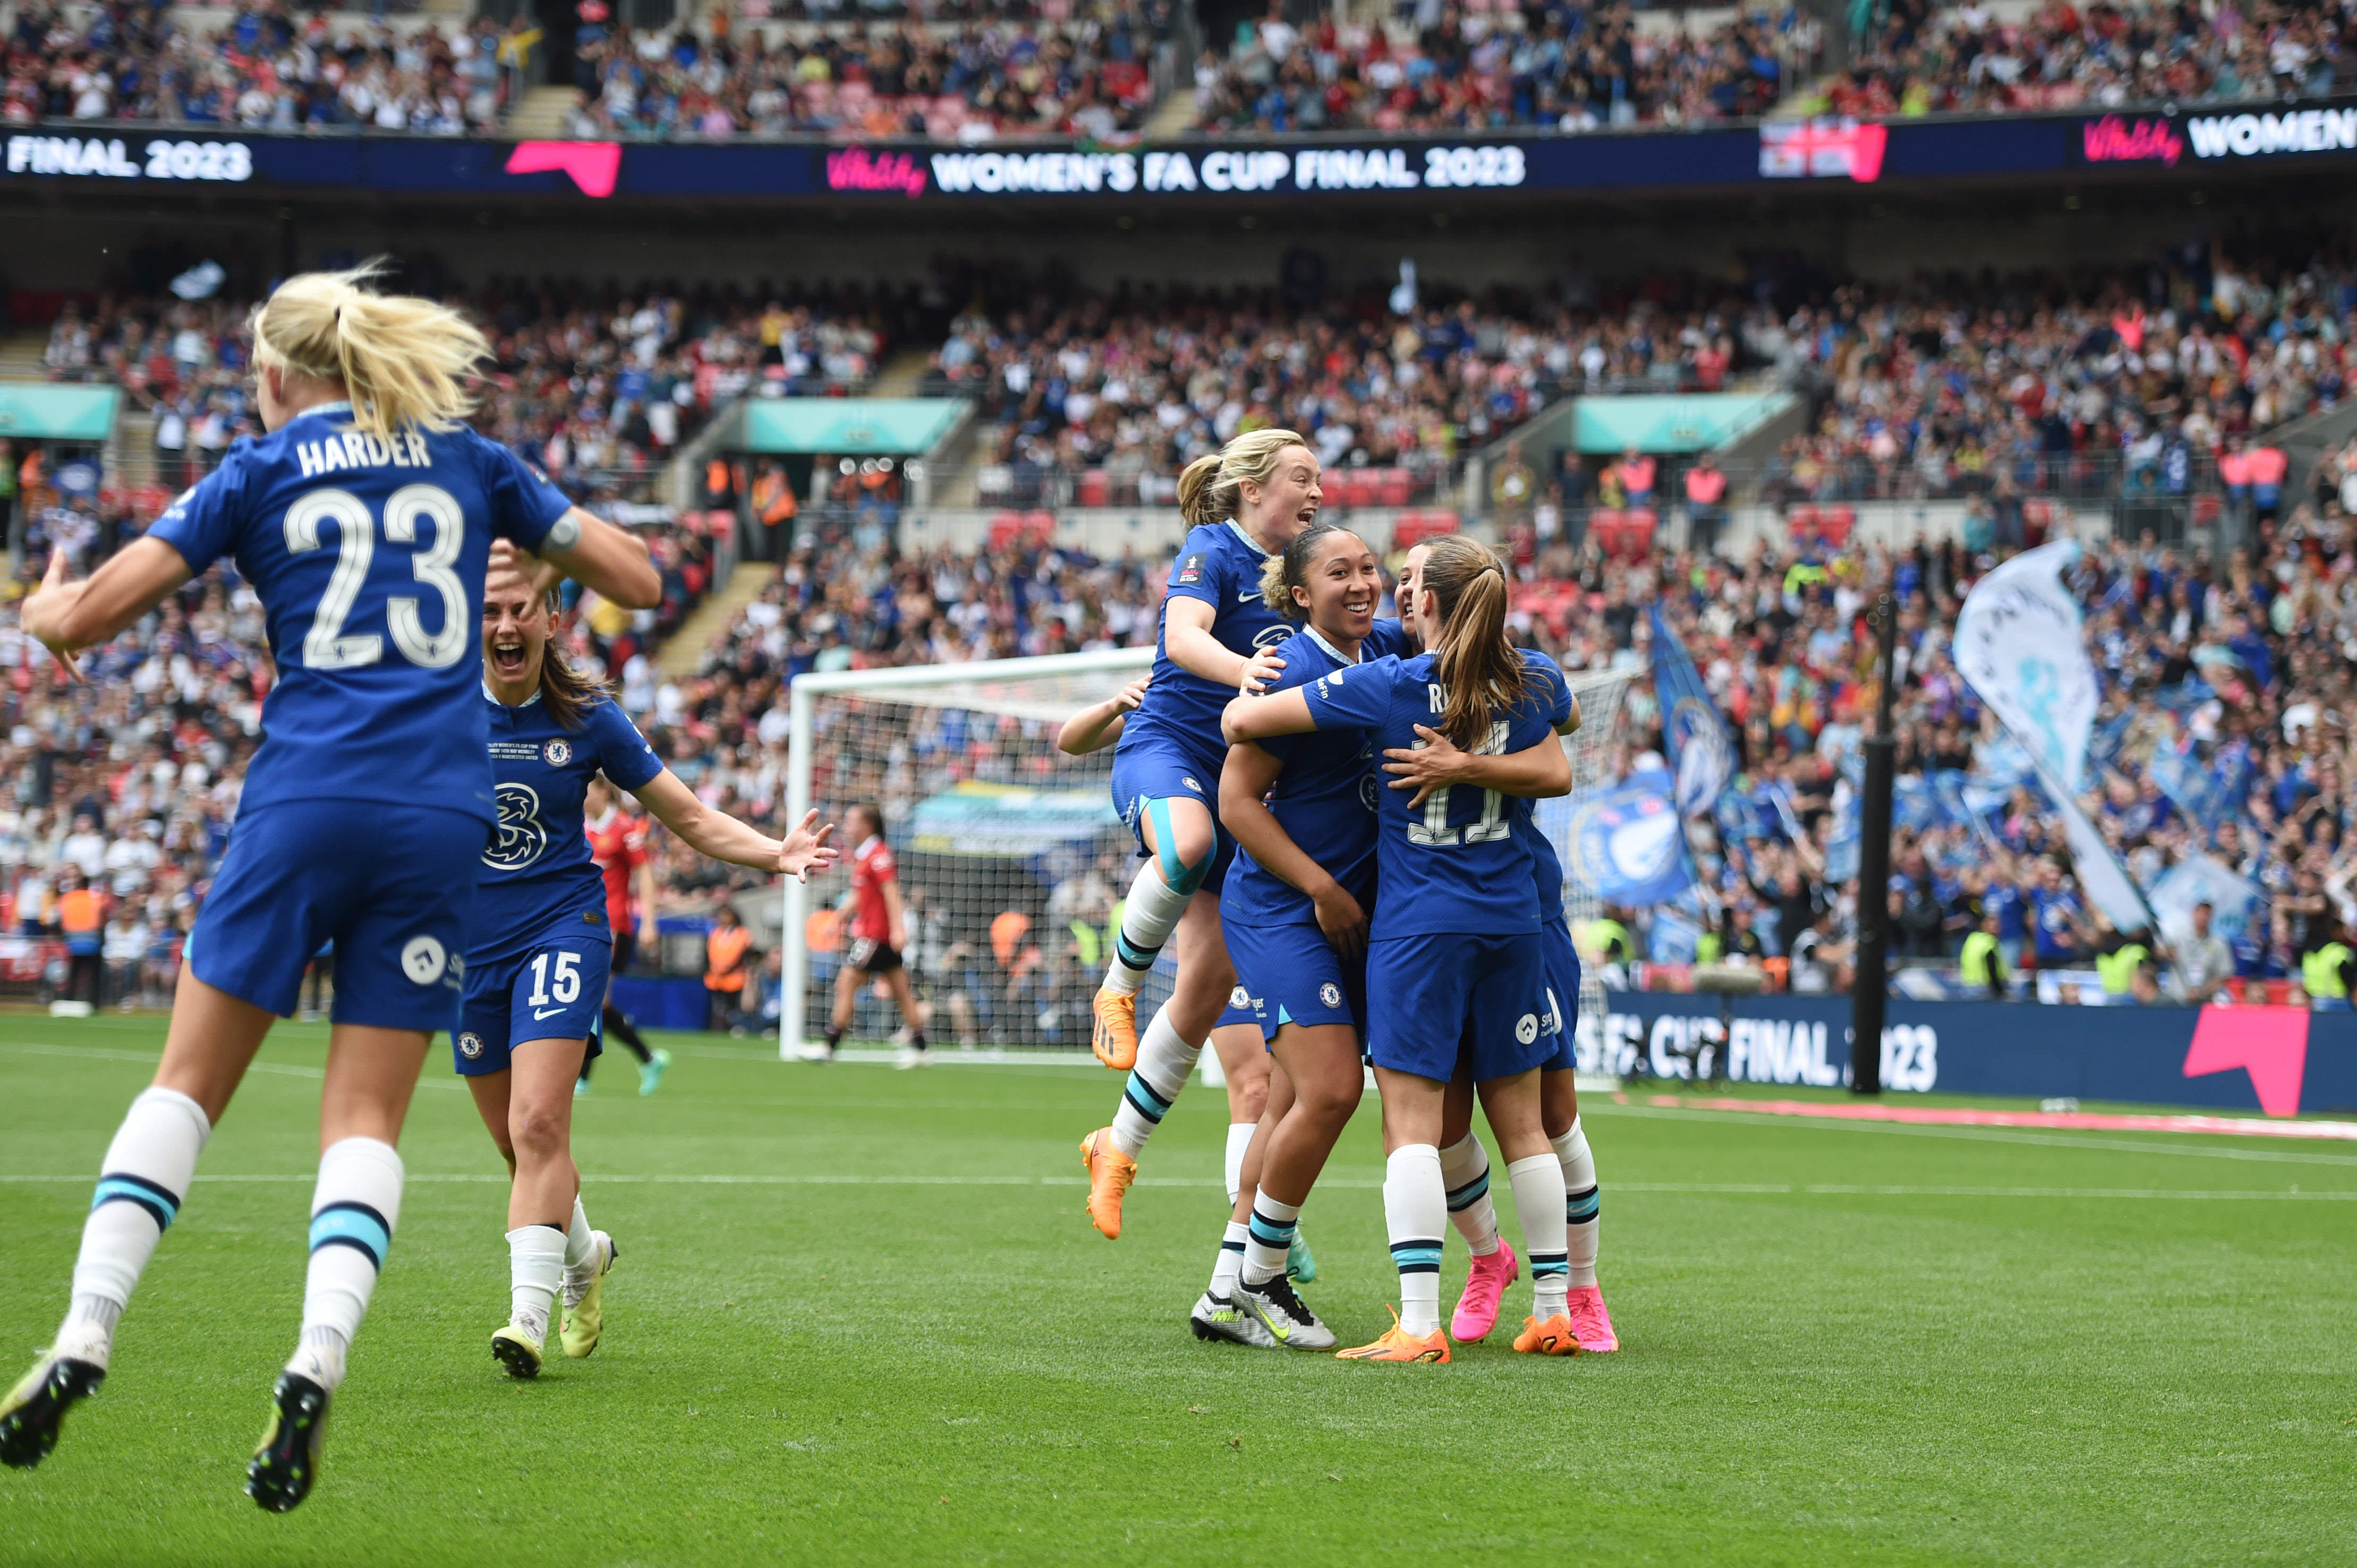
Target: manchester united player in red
(879,931)
(618,842)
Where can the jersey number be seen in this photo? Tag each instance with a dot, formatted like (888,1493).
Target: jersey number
(1434,832)
(568,978)
(327,646)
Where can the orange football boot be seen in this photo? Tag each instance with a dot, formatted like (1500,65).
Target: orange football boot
(1114,1035)
(1398,1344)
(1110,1174)
(1553,1337)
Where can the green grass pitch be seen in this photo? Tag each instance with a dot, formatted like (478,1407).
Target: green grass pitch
(860,1318)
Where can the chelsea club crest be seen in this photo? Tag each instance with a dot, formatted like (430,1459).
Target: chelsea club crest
(557,753)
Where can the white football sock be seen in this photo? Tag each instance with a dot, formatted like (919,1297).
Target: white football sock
(1147,918)
(1164,1060)
(580,1245)
(535,1273)
(1270,1238)
(1240,1137)
(147,1170)
(1537,1181)
(1416,1211)
(1465,1171)
(1583,1209)
(1232,1258)
(353,1211)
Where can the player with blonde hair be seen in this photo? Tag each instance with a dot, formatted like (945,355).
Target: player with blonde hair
(363,520)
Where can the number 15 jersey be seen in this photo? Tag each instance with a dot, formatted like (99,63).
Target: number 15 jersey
(369,557)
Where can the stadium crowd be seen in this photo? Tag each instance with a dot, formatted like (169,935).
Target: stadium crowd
(1089,75)
(1963,58)
(1551,63)
(268,66)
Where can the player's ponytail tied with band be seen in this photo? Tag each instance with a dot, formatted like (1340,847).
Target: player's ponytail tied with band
(401,360)
(1476,665)
(1210,490)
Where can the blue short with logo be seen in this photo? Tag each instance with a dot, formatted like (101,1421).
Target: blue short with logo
(1151,768)
(393,886)
(1563,993)
(1433,1001)
(552,988)
(1294,976)
(1239,1010)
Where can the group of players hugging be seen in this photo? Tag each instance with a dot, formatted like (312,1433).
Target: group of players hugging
(1334,813)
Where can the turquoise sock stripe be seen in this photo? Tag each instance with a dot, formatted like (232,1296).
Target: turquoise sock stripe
(118,1187)
(1130,955)
(1272,1232)
(1471,1193)
(1142,1098)
(1418,1257)
(1546,1264)
(353,1225)
(1582,1206)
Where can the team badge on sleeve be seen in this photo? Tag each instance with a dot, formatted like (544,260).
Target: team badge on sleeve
(1191,570)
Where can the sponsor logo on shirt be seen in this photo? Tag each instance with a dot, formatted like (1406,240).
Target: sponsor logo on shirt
(422,958)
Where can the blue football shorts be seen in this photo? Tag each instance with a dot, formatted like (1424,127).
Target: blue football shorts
(1435,1000)
(552,989)
(393,886)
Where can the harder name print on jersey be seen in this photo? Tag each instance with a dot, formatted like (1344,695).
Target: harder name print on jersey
(355,449)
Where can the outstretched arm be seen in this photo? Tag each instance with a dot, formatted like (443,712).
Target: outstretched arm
(594,553)
(1099,725)
(1257,718)
(723,837)
(69,616)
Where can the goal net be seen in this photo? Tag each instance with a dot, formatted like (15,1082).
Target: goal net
(1012,860)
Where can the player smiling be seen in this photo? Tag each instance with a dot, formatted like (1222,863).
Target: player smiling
(537,967)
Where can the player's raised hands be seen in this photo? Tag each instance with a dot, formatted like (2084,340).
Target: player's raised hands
(806,849)
(44,613)
(1432,763)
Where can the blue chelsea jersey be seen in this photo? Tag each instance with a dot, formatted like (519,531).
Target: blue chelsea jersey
(1461,862)
(1326,799)
(369,557)
(538,869)
(1547,867)
(1220,565)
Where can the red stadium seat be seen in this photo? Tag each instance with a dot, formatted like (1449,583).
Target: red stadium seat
(1395,486)
(1096,488)
(1039,527)
(1801,521)
(1833,524)
(1637,533)
(1004,530)
(1604,528)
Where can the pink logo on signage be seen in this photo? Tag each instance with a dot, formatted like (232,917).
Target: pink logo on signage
(2270,1043)
(593,166)
(856,168)
(1828,147)
(2111,140)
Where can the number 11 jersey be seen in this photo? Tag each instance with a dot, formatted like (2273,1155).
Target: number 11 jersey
(369,557)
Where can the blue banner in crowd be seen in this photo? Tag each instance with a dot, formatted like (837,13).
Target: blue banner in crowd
(1702,751)
(1626,845)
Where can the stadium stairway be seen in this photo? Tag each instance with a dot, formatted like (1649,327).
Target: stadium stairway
(20,355)
(678,658)
(545,113)
(1175,115)
(903,375)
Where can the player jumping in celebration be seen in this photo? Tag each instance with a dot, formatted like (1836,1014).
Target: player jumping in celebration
(879,935)
(1219,636)
(617,842)
(1236,1034)
(537,964)
(1465,1166)
(1454,964)
(364,522)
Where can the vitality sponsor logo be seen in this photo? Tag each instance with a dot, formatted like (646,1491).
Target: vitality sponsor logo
(2113,140)
(856,168)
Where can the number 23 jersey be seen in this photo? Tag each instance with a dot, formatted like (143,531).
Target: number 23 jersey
(539,869)
(369,557)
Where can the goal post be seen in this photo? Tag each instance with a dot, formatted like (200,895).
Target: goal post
(1012,859)
(987,819)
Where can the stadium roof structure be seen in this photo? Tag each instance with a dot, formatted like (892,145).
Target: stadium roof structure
(858,426)
(38,411)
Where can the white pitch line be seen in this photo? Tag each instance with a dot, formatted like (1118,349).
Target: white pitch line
(1733,1189)
(103,1053)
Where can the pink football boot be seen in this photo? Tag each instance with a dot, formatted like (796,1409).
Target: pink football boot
(1477,1309)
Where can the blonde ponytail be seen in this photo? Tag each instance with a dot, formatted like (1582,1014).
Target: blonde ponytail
(1475,664)
(401,360)
(1210,490)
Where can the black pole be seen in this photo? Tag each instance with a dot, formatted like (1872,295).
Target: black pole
(1867,995)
